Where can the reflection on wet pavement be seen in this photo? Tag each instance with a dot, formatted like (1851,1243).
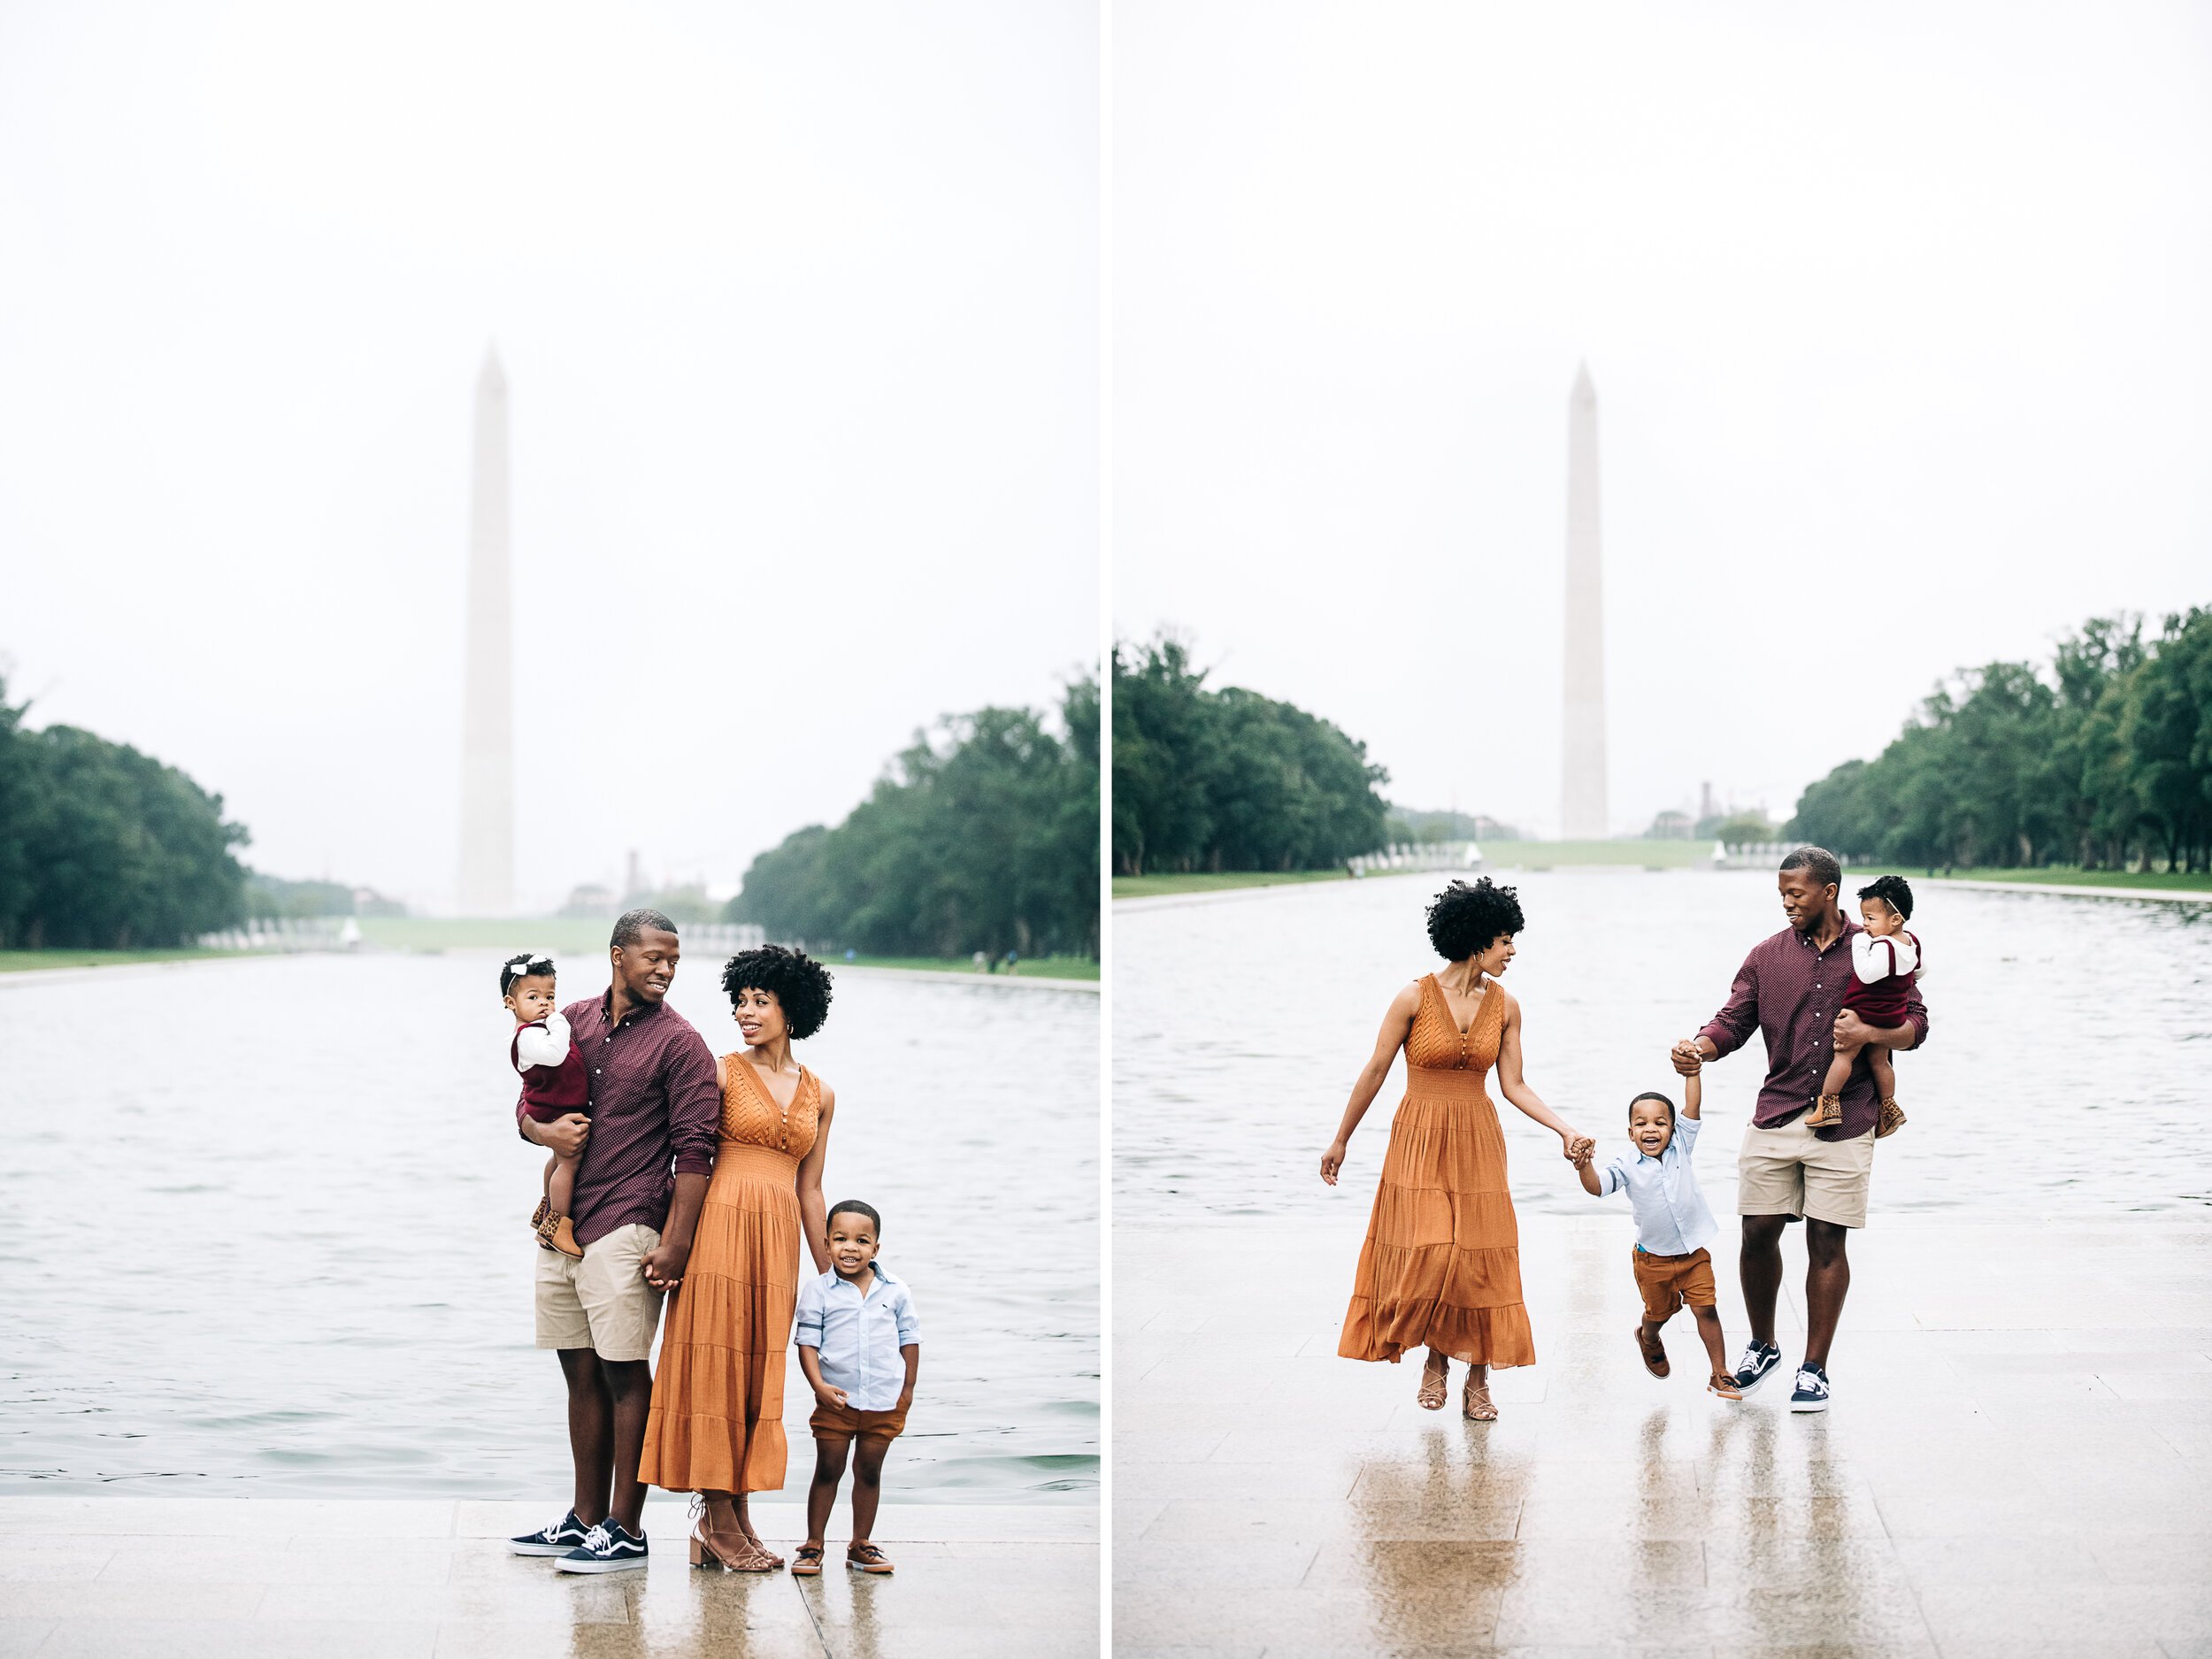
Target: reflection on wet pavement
(2017,1461)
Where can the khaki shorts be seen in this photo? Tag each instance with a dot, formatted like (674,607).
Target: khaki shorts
(602,1302)
(1792,1171)
(842,1423)
(1670,1282)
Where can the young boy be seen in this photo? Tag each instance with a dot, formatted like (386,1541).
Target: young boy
(861,1348)
(1673,1226)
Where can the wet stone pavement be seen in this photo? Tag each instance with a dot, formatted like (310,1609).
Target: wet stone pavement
(88,1578)
(2018,1461)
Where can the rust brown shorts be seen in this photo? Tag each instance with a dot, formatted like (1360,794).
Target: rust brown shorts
(842,1423)
(1669,1282)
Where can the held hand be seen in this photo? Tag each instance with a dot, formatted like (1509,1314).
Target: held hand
(564,1136)
(830,1395)
(1688,1058)
(1580,1147)
(663,1266)
(1333,1161)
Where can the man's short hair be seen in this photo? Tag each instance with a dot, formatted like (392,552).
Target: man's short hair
(1826,867)
(633,925)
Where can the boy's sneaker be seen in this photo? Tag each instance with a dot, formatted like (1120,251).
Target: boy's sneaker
(556,1539)
(1812,1389)
(866,1558)
(1758,1360)
(608,1546)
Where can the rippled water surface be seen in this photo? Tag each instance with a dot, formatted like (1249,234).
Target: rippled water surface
(262,1228)
(2066,1068)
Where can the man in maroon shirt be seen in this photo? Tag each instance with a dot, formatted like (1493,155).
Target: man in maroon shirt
(648,1150)
(1790,989)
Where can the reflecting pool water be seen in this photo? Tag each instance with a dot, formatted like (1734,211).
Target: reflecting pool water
(2065,1070)
(262,1228)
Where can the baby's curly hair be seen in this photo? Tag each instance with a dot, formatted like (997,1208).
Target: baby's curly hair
(800,985)
(1466,921)
(1893,891)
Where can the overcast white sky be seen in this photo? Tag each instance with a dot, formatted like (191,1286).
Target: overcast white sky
(798,307)
(1897,315)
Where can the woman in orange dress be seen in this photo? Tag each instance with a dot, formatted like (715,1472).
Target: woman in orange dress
(1441,1267)
(717,1422)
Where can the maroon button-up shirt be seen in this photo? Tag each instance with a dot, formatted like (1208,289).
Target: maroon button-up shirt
(1791,993)
(655,1112)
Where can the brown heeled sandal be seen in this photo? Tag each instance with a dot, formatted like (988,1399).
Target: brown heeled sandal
(1434,1380)
(1478,1410)
(710,1549)
(1892,1119)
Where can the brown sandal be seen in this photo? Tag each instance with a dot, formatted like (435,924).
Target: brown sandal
(1892,1119)
(708,1550)
(1482,1410)
(1434,1380)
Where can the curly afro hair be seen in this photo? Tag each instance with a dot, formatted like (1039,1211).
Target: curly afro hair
(1466,921)
(1893,891)
(800,985)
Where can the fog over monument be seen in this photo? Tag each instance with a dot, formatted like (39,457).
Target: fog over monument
(1582,806)
(485,884)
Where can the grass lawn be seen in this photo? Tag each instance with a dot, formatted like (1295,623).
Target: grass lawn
(21,961)
(1216,882)
(2057,876)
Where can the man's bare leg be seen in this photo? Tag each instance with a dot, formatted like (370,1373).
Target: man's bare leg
(630,1387)
(1827,1281)
(1759,1266)
(590,1433)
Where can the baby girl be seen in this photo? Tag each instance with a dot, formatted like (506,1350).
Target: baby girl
(554,1084)
(1884,962)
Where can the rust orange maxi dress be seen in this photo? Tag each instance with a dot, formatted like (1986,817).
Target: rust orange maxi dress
(1441,1267)
(716,1419)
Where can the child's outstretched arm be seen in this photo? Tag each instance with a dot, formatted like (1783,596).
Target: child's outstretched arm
(1693,1094)
(1586,1168)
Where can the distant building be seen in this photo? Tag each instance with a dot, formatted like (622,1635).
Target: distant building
(591,903)
(1670,826)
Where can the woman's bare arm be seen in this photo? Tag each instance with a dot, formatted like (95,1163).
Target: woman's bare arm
(1514,1087)
(813,1209)
(1396,1023)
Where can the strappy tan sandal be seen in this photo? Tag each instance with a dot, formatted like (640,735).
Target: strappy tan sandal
(709,1549)
(1478,1410)
(1892,1119)
(1434,1380)
(1826,1113)
(773,1559)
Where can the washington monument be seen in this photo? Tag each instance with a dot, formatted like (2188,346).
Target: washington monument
(486,883)
(1582,753)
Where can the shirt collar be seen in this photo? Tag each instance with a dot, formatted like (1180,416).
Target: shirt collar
(831,1281)
(643,1010)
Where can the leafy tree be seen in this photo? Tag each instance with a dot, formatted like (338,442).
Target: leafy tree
(2104,757)
(101,845)
(982,835)
(1230,779)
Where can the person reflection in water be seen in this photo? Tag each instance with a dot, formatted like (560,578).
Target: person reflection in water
(1441,1266)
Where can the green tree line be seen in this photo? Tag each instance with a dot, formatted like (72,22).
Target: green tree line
(2101,759)
(981,835)
(1229,779)
(104,847)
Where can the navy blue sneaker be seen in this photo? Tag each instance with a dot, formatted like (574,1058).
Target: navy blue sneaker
(1758,1360)
(556,1539)
(608,1546)
(1811,1394)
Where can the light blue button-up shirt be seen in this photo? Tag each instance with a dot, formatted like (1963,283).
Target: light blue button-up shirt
(1671,1217)
(859,1338)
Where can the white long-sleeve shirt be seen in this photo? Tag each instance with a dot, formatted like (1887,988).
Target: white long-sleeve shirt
(545,1044)
(1874,960)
